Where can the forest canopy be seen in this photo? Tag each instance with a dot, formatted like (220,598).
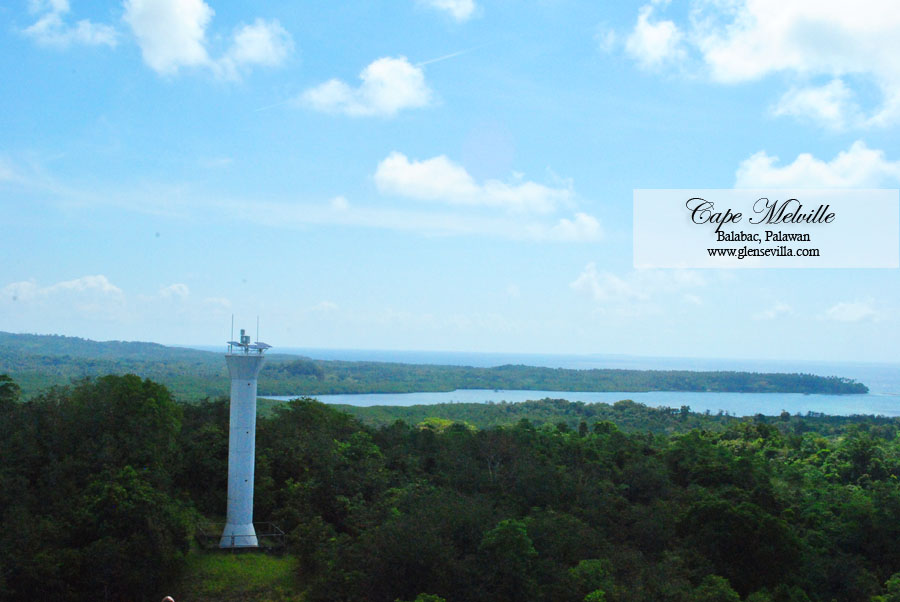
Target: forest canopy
(106,480)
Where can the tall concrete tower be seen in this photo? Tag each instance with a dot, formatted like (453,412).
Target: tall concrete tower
(244,363)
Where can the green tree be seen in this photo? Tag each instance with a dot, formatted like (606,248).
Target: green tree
(507,553)
(9,392)
(715,589)
(88,508)
(591,580)
(891,590)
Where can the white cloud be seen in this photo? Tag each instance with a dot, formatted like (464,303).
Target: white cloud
(582,228)
(19,291)
(27,290)
(51,28)
(806,40)
(773,312)
(830,105)
(606,286)
(461,10)
(88,295)
(95,307)
(854,311)
(388,86)
(98,283)
(440,179)
(753,38)
(857,167)
(264,43)
(218,305)
(653,43)
(172,35)
(177,290)
(639,286)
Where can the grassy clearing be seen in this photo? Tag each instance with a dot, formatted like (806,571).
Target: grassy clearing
(244,576)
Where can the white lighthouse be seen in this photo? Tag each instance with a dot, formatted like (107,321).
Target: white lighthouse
(244,362)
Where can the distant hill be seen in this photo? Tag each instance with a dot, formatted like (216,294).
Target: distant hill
(39,361)
(55,345)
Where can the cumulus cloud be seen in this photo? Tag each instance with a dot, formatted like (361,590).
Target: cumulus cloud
(854,311)
(388,85)
(172,35)
(654,42)
(857,167)
(830,105)
(263,43)
(460,10)
(806,40)
(440,179)
(52,29)
(760,37)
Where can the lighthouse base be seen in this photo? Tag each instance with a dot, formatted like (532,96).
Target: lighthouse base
(239,536)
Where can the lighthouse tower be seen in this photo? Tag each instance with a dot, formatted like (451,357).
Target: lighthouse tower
(244,363)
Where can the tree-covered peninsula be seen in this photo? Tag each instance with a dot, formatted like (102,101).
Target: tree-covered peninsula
(38,361)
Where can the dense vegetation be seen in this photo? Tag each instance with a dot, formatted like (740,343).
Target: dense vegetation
(37,362)
(103,480)
(89,505)
(625,414)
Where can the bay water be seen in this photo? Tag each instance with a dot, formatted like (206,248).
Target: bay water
(883,380)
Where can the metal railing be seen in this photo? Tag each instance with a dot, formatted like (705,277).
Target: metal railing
(269,537)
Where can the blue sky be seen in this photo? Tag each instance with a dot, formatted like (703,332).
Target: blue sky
(432,174)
